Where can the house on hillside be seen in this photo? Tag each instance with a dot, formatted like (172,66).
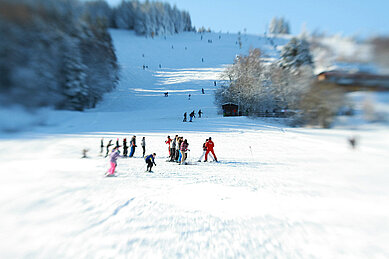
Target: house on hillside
(359,81)
(230,109)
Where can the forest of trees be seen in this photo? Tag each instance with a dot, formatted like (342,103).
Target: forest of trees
(59,53)
(148,18)
(286,84)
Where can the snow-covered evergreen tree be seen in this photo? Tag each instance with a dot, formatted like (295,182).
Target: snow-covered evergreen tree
(295,54)
(279,26)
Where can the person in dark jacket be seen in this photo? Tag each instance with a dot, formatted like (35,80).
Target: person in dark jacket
(200,113)
(184,117)
(191,116)
(150,162)
(133,146)
(125,147)
(173,149)
(102,146)
(143,144)
(108,145)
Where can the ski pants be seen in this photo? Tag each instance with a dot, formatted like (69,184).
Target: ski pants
(132,151)
(183,157)
(204,155)
(125,151)
(144,150)
(149,165)
(112,168)
(172,153)
(213,153)
(180,156)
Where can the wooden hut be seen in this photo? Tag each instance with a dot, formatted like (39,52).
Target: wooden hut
(230,109)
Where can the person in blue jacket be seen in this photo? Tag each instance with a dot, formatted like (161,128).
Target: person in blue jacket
(150,161)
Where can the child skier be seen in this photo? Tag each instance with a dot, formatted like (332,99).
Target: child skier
(115,154)
(204,151)
(150,161)
(209,145)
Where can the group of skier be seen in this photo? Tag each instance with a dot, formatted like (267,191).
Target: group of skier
(192,115)
(178,148)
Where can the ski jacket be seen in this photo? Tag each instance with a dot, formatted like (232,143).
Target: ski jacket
(209,145)
(150,159)
(204,146)
(133,143)
(174,143)
(168,141)
(114,156)
(184,146)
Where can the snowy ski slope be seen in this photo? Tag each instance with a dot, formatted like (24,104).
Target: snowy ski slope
(278,192)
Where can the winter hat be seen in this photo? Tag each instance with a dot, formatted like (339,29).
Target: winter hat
(210,138)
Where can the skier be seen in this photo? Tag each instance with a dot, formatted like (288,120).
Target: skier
(204,151)
(117,143)
(209,145)
(178,152)
(202,91)
(200,113)
(173,149)
(168,141)
(109,144)
(133,146)
(102,146)
(184,148)
(184,117)
(115,154)
(189,96)
(143,144)
(125,147)
(150,161)
(191,115)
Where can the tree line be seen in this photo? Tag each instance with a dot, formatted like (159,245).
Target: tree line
(286,85)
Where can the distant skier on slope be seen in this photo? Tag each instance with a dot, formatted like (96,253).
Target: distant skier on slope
(115,154)
(209,145)
(133,146)
(191,116)
(125,147)
(184,117)
(102,146)
(150,162)
(108,145)
(200,113)
(143,144)
(168,141)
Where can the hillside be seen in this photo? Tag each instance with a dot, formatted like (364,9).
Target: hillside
(277,192)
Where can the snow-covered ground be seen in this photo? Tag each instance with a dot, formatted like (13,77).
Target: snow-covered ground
(278,192)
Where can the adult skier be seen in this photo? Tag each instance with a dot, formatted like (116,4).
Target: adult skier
(125,147)
(102,146)
(184,117)
(115,154)
(168,141)
(191,115)
(133,146)
(117,143)
(108,145)
(143,144)
(173,149)
(209,145)
(204,151)
(150,162)
(184,149)
(200,113)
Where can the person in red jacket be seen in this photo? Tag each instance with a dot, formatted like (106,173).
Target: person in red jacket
(209,145)
(168,141)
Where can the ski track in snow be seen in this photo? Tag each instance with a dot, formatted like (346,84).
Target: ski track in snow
(278,192)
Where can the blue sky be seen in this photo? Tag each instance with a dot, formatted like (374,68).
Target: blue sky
(350,17)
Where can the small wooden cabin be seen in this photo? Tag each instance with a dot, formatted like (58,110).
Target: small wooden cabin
(230,109)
